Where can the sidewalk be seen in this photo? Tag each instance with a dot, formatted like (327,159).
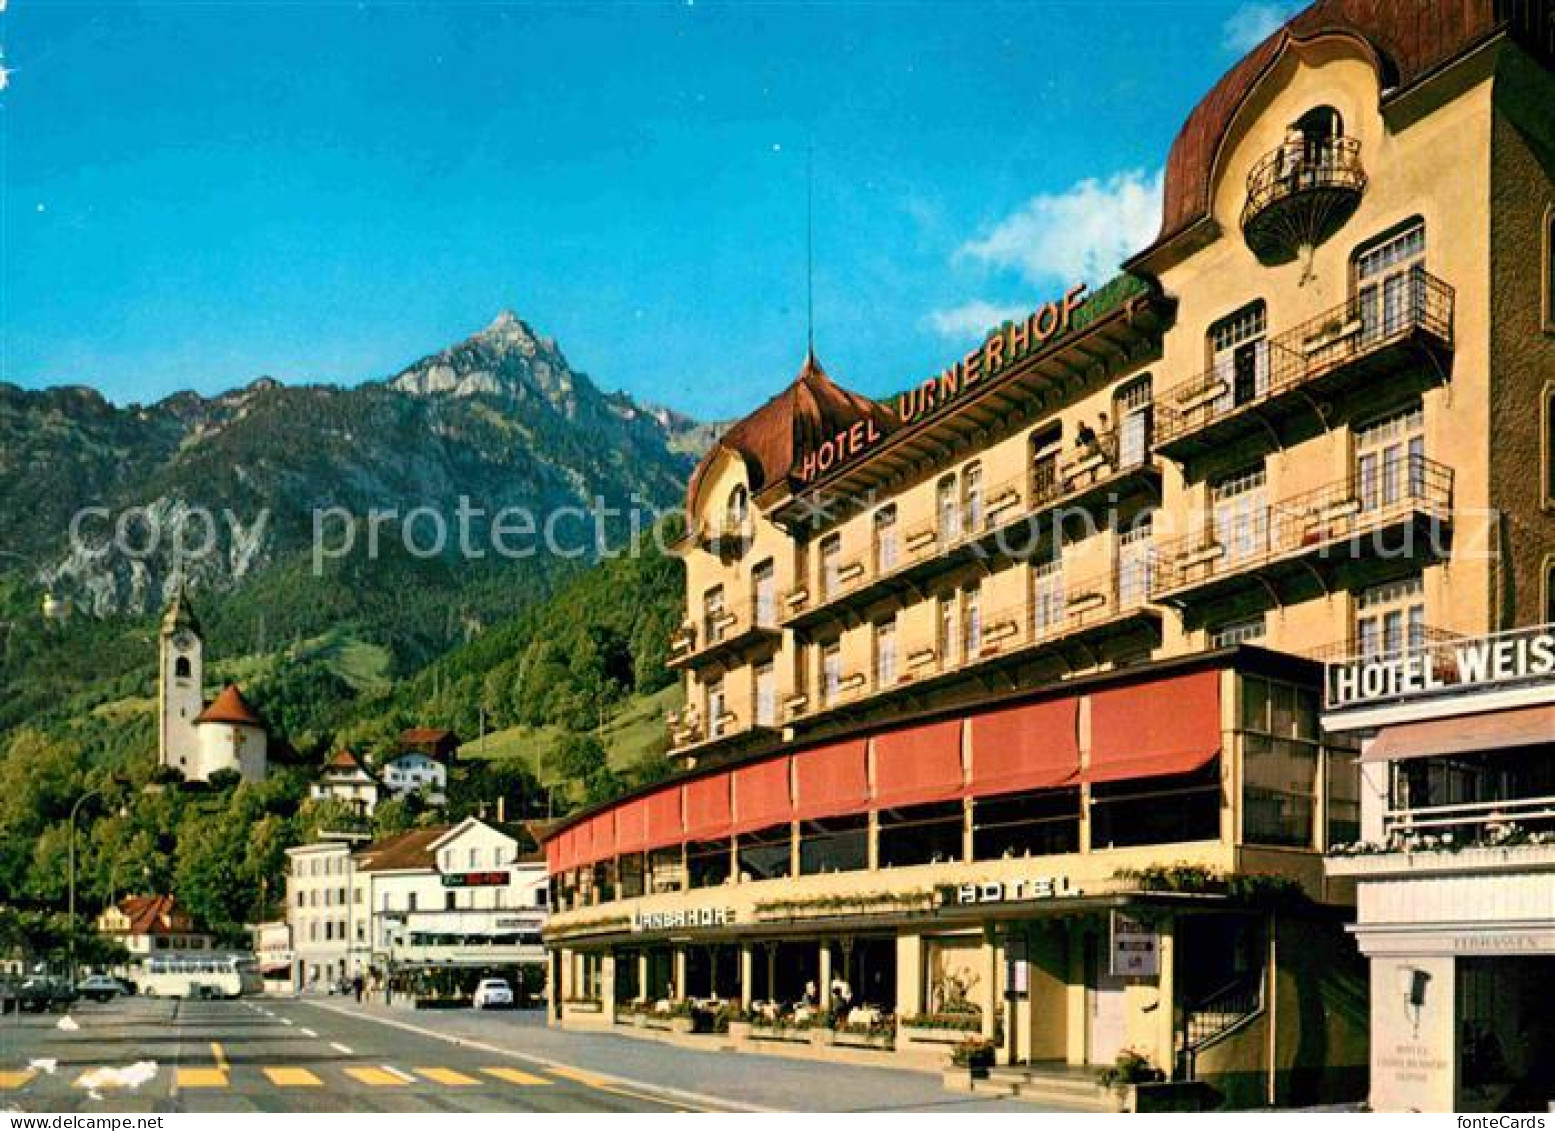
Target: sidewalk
(746,1079)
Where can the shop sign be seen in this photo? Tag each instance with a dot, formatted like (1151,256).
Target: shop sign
(475,880)
(1136,948)
(517,924)
(681,920)
(1506,659)
(1008,891)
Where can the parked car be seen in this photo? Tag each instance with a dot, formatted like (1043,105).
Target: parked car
(42,992)
(493,993)
(99,988)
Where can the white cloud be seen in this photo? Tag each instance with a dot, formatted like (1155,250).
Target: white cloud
(1082,233)
(1253,22)
(971,319)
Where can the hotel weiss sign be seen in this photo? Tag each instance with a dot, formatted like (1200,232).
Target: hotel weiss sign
(1482,663)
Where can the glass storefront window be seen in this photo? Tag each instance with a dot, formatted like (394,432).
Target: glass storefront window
(1165,810)
(766,854)
(922,834)
(633,868)
(1281,760)
(1040,823)
(707,862)
(838,844)
(666,870)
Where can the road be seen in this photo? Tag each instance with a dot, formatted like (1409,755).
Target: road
(147,1055)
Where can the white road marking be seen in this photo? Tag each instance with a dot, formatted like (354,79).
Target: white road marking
(287,1021)
(344,1050)
(392,1071)
(307,1032)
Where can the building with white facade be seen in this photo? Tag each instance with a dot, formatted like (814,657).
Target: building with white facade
(1456,867)
(273,955)
(326,913)
(195,738)
(347,778)
(152,926)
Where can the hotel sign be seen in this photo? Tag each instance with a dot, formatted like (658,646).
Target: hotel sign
(1483,663)
(682,920)
(931,397)
(1007,891)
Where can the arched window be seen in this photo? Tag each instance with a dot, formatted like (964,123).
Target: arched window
(1131,409)
(1319,125)
(738,508)
(182,668)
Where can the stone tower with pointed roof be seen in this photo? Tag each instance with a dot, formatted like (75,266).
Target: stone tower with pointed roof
(194,738)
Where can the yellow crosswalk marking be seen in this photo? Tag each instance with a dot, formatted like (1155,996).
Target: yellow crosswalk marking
(202,1078)
(376,1077)
(293,1078)
(514,1076)
(447,1076)
(11,1081)
(578,1076)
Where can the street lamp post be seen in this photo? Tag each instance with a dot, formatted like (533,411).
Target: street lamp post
(71,919)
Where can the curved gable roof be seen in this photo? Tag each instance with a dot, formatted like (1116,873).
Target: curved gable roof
(772,440)
(1409,38)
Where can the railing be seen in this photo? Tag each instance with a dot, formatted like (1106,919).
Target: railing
(1218,1015)
(1417,639)
(1333,513)
(1004,503)
(717,627)
(1065,610)
(1470,817)
(1354,329)
(1304,165)
(724,528)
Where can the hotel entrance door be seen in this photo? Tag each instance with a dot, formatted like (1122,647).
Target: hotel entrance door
(1106,1016)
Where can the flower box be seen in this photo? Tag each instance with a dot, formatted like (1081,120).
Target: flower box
(683,1025)
(740,1030)
(821,1036)
(843,1038)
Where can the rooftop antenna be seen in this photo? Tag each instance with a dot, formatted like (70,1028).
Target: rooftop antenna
(809,250)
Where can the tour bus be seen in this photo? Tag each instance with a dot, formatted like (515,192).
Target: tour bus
(206,975)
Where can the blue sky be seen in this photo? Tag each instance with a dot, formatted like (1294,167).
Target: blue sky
(196,194)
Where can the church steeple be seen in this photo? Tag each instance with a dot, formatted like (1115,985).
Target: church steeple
(180,612)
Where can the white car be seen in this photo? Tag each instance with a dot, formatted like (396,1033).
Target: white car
(493,993)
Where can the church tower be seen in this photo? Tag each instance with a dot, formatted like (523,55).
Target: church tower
(181,686)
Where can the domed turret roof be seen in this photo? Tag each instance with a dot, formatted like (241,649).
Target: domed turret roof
(773,440)
(1410,40)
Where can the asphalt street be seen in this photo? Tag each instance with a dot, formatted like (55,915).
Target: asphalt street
(148,1055)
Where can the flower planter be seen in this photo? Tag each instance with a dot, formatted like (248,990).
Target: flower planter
(959,1079)
(883,1041)
(771,1033)
(683,1025)
(935,1035)
(821,1036)
(639,1020)
(739,1030)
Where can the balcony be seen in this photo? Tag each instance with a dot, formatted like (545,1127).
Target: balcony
(720,636)
(724,535)
(1300,194)
(1075,615)
(1403,516)
(1362,342)
(690,735)
(1091,478)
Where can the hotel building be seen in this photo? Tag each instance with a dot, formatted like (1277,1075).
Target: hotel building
(1003,695)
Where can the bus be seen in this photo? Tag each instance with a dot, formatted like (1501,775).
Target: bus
(201,976)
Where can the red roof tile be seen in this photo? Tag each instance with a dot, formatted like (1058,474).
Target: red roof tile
(155,915)
(230,707)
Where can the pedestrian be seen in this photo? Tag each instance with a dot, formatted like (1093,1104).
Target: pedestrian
(358,984)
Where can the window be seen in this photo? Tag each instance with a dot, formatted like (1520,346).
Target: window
(949,513)
(1241,514)
(1235,632)
(1239,355)
(972,497)
(764,594)
(450,901)
(972,621)
(1164,810)
(1390,459)
(1026,824)
(713,614)
(1047,598)
(1280,762)
(831,671)
(412,905)
(766,854)
(831,564)
(715,708)
(1549,269)
(1548,604)
(1547,446)
(839,844)
(945,644)
(1045,446)
(885,540)
(181,668)
(738,509)
(1132,408)
(1390,618)
(1135,561)
(885,654)
(766,694)
(922,834)
(1389,286)
(707,863)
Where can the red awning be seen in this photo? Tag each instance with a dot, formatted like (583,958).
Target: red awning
(919,764)
(664,819)
(831,780)
(1154,729)
(566,850)
(603,835)
(1033,746)
(708,815)
(553,855)
(632,826)
(1465,734)
(762,795)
